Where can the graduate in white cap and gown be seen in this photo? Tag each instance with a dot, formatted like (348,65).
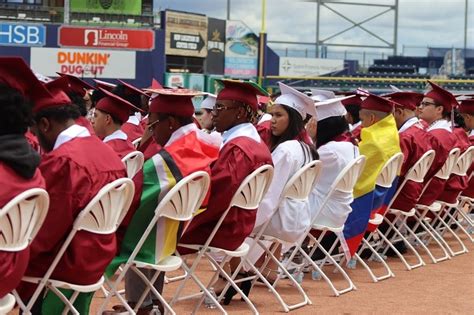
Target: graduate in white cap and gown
(289,218)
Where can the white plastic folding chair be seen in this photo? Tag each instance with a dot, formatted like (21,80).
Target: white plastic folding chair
(422,221)
(136,142)
(102,215)
(247,197)
(463,214)
(416,174)
(385,179)
(7,303)
(446,218)
(298,187)
(20,221)
(133,163)
(344,183)
(178,204)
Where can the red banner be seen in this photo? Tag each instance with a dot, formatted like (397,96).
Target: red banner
(110,38)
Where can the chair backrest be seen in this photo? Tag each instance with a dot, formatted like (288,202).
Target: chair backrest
(136,142)
(253,188)
(21,219)
(418,171)
(179,203)
(107,209)
(300,185)
(447,167)
(464,162)
(390,170)
(185,197)
(349,175)
(133,162)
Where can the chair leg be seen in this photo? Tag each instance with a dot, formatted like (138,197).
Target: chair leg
(114,292)
(465,218)
(446,226)
(390,242)
(150,287)
(389,273)
(431,234)
(190,275)
(328,256)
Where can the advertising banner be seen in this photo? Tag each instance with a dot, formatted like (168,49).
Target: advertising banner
(175,80)
(307,67)
(186,34)
(84,62)
(215,46)
(241,50)
(131,7)
(12,34)
(92,37)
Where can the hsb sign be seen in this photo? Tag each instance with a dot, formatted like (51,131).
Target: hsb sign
(22,34)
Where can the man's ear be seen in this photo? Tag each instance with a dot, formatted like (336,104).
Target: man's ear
(44,125)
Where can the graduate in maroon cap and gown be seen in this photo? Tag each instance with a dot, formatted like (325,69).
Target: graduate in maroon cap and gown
(132,127)
(436,109)
(75,167)
(18,160)
(185,149)
(76,90)
(466,109)
(110,113)
(414,142)
(242,152)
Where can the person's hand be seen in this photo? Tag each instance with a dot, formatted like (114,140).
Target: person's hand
(311,128)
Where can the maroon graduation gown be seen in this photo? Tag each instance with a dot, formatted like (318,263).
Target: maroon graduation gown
(238,158)
(446,142)
(74,173)
(13,264)
(84,122)
(414,142)
(469,191)
(456,184)
(121,147)
(133,131)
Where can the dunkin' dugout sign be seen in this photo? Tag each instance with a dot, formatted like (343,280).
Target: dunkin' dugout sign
(85,63)
(115,38)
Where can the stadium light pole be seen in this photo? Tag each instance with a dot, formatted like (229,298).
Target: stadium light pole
(465,28)
(261,48)
(67,10)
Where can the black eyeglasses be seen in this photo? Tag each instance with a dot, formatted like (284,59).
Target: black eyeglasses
(424,104)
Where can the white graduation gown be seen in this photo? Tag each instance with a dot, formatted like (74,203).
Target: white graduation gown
(334,157)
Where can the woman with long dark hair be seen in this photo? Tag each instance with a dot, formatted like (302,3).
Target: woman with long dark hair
(336,149)
(288,217)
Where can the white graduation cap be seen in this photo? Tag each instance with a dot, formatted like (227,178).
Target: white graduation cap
(321,95)
(295,99)
(209,101)
(331,107)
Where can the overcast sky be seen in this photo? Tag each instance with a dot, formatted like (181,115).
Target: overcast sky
(434,23)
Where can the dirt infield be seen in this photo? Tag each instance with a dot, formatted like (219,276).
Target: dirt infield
(443,288)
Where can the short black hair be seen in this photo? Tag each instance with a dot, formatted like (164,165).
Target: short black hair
(459,120)
(114,119)
(133,98)
(15,111)
(330,128)
(354,111)
(96,96)
(79,101)
(59,114)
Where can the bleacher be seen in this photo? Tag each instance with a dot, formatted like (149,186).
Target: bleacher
(30,13)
